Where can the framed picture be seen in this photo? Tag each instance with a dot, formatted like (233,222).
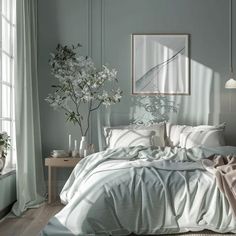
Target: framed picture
(160,64)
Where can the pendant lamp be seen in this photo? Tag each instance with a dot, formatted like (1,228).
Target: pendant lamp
(231,83)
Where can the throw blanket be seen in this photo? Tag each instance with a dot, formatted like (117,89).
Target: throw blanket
(224,169)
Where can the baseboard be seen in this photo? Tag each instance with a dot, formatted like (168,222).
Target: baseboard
(6,210)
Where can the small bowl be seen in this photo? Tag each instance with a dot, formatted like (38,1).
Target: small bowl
(59,153)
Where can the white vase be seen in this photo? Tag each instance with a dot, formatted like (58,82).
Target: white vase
(2,161)
(83,147)
(75,152)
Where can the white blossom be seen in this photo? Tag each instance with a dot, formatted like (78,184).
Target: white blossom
(106,103)
(79,80)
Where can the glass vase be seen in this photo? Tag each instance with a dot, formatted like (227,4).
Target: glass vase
(83,147)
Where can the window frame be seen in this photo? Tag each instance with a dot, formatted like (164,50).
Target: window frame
(8,19)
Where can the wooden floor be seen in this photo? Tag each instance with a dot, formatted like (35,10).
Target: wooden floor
(31,222)
(34,220)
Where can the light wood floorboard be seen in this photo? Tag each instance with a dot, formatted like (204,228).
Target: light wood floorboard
(33,220)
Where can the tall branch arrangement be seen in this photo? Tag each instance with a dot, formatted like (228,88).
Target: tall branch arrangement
(80,82)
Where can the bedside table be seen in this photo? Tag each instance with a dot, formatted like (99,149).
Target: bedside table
(57,162)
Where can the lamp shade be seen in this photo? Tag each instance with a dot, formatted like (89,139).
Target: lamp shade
(230,84)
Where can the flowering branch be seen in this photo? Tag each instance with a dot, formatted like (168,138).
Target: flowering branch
(80,82)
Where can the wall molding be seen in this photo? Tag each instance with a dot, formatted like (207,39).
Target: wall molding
(90,51)
(90,28)
(6,210)
(102,31)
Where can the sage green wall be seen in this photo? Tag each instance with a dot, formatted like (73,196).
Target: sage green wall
(104,27)
(8,190)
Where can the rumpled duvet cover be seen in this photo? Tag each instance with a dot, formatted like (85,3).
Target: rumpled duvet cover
(143,191)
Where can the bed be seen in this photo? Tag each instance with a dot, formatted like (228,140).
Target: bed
(145,189)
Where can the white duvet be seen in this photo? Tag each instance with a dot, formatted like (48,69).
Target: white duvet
(143,191)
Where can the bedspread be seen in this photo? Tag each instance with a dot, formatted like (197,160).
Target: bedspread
(143,191)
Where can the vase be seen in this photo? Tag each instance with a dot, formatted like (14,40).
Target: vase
(75,152)
(2,163)
(2,160)
(83,147)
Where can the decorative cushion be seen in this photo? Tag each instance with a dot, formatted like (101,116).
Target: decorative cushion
(208,138)
(174,131)
(128,137)
(158,135)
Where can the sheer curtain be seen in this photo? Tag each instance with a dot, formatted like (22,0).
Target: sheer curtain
(7,73)
(30,180)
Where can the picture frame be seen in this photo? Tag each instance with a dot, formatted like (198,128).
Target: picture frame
(160,64)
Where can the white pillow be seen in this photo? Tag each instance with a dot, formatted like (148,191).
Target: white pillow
(209,127)
(208,138)
(174,131)
(129,137)
(159,130)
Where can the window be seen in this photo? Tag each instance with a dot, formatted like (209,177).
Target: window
(7,72)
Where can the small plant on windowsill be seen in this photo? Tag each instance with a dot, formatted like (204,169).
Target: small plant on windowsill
(80,83)
(4,146)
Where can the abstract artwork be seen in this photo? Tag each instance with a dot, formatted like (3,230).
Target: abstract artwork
(160,64)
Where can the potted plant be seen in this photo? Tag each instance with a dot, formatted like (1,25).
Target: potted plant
(4,145)
(80,83)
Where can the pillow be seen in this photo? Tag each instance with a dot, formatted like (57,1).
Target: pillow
(129,137)
(174,131)
(209,127)
(159,130)
(208,138)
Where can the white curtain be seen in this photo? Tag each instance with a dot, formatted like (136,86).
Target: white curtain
(30,180)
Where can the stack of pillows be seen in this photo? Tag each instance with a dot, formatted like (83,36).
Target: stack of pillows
(164,134)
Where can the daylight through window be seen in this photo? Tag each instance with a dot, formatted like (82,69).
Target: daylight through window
(7,72)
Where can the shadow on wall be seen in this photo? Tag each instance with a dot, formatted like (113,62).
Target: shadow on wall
(201,107)
(160,65)
(152,109)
